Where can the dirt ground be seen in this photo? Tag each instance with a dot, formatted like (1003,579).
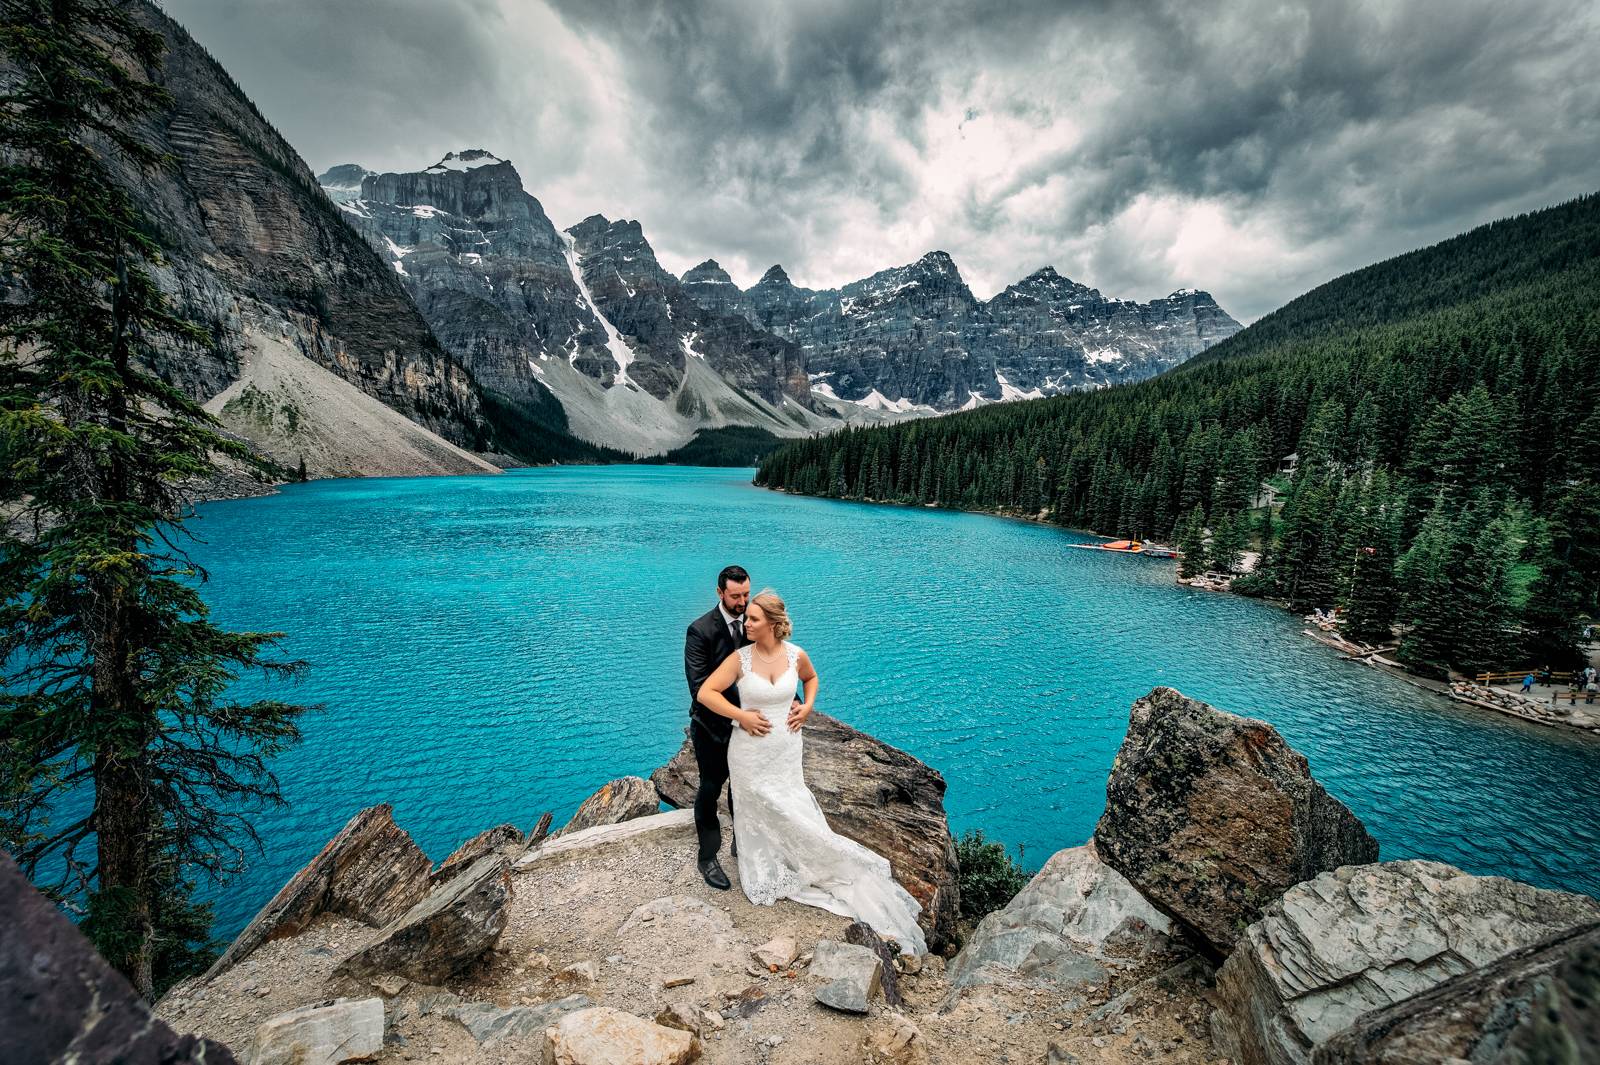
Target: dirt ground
(588,908)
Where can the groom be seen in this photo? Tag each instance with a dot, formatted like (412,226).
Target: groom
(712,637)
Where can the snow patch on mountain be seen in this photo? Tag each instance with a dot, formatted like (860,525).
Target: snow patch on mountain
(614,343)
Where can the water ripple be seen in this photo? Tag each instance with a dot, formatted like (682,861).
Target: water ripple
(492,647)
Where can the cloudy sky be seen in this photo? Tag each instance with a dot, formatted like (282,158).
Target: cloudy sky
(1253,149)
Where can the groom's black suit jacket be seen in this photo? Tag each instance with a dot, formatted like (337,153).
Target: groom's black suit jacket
(705,647)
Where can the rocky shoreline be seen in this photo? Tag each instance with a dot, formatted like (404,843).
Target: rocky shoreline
(1227,909)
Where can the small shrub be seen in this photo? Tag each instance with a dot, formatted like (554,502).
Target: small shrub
(1256,585)
(989,878)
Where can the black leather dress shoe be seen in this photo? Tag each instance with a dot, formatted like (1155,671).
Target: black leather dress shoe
(714,874)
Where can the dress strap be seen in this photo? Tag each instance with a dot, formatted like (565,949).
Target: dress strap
(744,659)
(793,652)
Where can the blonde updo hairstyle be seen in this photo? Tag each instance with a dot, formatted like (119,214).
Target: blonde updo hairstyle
(777,614)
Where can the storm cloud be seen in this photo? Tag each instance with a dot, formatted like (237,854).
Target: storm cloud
(1251,149)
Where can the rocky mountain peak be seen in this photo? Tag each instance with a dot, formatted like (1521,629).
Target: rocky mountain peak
(1192,295)
(343,174)
(470,159)
(709,272)
(1050,285)
(342,183)
(776,275)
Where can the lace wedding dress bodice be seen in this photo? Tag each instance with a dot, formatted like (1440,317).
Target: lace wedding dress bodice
(786,848)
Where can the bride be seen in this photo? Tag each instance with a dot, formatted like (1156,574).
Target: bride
(784,846)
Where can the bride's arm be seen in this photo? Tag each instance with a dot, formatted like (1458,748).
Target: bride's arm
(710,696)
(808,676)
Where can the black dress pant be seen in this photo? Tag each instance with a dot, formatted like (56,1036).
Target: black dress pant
(711,756)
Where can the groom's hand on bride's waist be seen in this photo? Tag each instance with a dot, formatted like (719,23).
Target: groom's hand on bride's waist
(797,715)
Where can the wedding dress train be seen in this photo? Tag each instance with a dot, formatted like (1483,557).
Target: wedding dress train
(786,849)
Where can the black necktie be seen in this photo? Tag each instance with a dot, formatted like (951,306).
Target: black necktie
(737,625)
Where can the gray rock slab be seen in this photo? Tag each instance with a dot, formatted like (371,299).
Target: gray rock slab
(491,1024)
(1076,916)
(446,932)
(847,996)
(852,975)
(1361,938)
(605,1036)
(1537,1004)
(344,1030)
(371,872)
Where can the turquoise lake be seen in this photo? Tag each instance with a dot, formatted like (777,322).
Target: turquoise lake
(492,647)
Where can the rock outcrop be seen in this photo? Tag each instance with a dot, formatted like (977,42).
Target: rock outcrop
(1537,1004)
(60,1001)
(1076,917)
(255,250)
(621,800)
(371,872)
(877,795)
(344,1030)
(446,932)
(1361,938)
(501,839)
(1212,816)
(605,1036)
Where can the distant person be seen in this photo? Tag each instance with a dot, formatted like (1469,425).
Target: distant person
(787,849)
(1527,684)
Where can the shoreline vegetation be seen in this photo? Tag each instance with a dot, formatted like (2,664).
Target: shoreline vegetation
(1319,627)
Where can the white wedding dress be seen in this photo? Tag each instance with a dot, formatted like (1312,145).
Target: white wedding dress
(786,849)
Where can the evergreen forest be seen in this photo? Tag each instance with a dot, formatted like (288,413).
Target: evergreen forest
(1415,445)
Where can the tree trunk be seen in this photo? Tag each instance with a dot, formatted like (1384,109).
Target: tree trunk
(125,822)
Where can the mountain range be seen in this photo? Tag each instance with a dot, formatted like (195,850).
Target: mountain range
(640,359)
(439,321)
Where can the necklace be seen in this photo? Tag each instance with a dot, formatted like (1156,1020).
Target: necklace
(767,658)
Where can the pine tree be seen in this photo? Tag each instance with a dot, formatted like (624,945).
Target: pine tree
(1483,637)
(115,682)
(1430,608)
(1373,594)
(1228,539)
(1192,544)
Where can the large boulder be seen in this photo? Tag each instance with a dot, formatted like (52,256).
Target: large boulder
(371,872)
(605,1036)
(877,795)
(1364,937)
(1076,917)
(60,1001)
(621,800)
(346,1029)
(1212,816)
(1537,1004)
(446,932)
